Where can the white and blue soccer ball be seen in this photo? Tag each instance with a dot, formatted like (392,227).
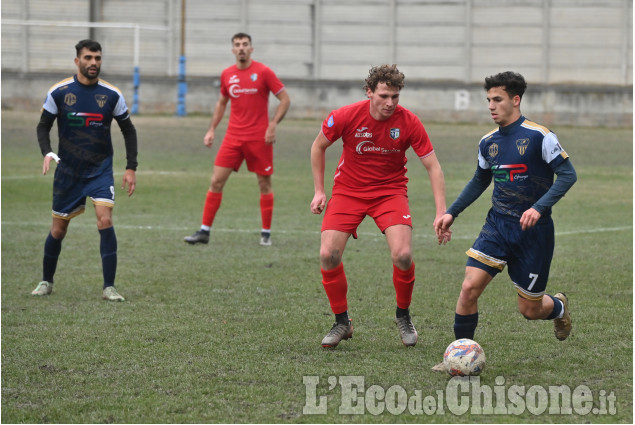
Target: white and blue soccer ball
(464,357)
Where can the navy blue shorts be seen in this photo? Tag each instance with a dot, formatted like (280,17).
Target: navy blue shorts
(527,254)
(70,192)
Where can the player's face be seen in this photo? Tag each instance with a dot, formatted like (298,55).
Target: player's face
(241,48)
(89,63)
(503,108)
(383,101)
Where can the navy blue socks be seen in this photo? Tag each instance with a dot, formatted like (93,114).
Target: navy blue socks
(108,251)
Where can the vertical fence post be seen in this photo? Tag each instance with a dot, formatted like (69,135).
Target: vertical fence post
(136,79)
(182,89)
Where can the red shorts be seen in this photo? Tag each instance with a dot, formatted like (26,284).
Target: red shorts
(345,213)
(256,153)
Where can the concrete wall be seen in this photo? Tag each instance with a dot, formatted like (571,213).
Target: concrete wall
(548,41)
(432,101)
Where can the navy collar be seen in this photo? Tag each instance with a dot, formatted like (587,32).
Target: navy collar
(511,127)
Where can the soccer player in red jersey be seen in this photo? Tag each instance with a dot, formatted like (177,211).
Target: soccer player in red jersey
(250,134)
(370,179)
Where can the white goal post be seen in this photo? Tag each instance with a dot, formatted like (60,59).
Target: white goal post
(135,27)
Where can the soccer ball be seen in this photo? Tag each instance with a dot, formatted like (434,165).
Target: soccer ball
(464,357)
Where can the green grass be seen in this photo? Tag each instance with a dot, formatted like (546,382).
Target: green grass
(226,332)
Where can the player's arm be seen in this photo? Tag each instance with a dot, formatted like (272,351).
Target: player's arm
(217,116)
(318,163)
(566,177)
(130,140)
(281,110)
(44,139)
(437,181)
(470,193)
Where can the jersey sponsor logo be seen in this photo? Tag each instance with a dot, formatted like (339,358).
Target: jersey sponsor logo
(330,121)
(511,172)
(234,79)
(236,91)
(521,145)
(361,129)
(493,150)
(406,216)
(70,99)
(84,119)
(367,146)
(253,77)
(394,133)
(365,134)
(101,99)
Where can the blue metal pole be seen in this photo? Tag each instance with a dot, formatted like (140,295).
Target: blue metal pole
(180,107)
(135,95)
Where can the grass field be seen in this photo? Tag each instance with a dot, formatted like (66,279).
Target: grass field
(231,331)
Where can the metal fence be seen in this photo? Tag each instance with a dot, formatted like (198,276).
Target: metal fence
(548,41)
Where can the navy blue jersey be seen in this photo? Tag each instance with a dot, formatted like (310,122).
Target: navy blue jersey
(84,115)
(521,158)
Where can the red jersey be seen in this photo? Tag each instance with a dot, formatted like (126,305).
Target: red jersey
(373,161)
(248,90)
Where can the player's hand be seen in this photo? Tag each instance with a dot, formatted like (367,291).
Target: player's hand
(442,228)
(129,178)
(529,219)
(318,203)
(270,134)
(208,140)
(46,164)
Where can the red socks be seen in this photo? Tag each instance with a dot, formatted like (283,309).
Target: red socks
(266,210)
(212,204)
(404,281)
(336,287)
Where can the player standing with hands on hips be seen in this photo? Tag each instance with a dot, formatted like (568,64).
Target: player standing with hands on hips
(84,107)
(250,134)
(522,158)
(371,180)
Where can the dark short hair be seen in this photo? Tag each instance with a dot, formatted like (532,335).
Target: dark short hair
(387,74)
(241,35)
(91,45)
(513,83)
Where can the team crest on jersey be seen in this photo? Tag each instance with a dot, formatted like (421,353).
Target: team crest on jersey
(521,145)
(493,150)
(394,133)
(101,99)
(70,99)
(253,77)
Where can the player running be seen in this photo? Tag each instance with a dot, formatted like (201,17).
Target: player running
(521,157)
(370,179)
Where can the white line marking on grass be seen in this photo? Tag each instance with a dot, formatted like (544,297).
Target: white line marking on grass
(296,232)
(147,173)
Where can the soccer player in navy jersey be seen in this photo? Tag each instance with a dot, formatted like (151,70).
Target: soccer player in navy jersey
(370,180)
(84,107)
(522,158)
